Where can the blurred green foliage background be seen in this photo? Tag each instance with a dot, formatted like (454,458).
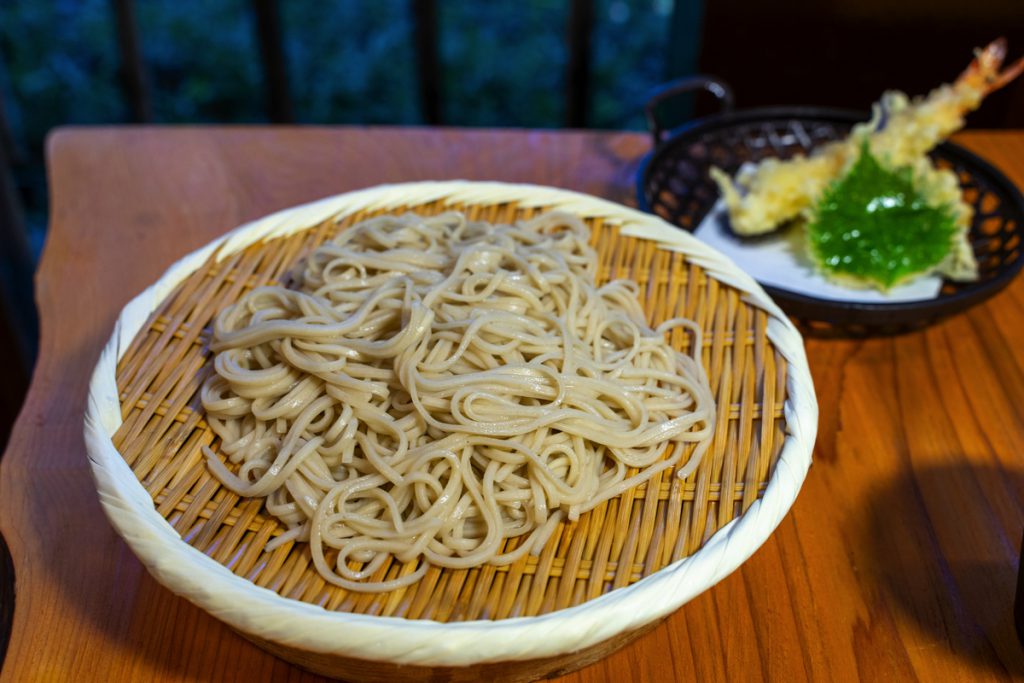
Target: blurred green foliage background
(502,64)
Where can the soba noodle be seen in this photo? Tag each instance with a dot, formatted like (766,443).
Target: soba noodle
(427,388)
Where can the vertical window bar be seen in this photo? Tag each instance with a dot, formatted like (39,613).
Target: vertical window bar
(428,64)
(18,324)
(270,37)
(133,78)
(684,44)
(17,313)
(577,78)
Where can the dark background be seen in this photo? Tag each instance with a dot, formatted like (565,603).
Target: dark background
(532,63)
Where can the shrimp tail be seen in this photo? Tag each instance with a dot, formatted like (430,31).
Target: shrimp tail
(1007,75)
(983,73)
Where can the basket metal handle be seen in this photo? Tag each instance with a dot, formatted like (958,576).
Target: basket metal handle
(719,88)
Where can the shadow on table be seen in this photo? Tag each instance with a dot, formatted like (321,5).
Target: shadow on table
(952,567)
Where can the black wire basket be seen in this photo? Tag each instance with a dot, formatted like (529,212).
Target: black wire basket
(673,182)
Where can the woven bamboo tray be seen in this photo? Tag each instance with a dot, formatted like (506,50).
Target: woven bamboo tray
(596,585)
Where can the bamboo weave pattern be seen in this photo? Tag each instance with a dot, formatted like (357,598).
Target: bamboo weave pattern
(615,545)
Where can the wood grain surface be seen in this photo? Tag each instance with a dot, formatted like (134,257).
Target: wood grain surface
(899,559)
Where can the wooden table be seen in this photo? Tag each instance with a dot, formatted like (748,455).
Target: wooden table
(898,560)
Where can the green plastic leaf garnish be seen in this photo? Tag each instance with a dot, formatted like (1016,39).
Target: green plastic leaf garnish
(874,225)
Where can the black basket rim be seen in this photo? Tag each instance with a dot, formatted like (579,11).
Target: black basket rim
(866,313)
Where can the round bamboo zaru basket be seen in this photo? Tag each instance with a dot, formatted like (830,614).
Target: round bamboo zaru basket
(597,584)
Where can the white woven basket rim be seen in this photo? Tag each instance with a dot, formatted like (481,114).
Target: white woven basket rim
(269,616)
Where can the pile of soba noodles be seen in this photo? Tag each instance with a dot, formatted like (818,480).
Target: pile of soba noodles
(426,388)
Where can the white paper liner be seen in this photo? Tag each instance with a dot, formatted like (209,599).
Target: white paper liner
(266,615)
